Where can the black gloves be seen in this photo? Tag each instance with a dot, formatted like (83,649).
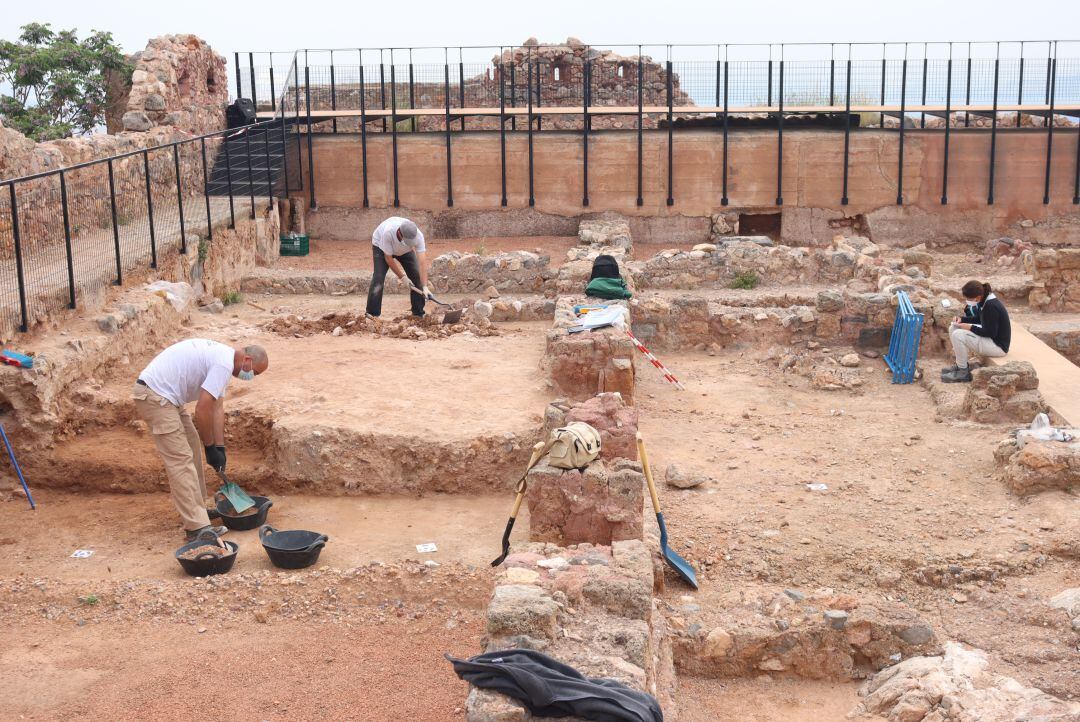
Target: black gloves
(215,457)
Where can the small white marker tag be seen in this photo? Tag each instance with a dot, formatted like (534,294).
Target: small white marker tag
(426,548)
(82,553)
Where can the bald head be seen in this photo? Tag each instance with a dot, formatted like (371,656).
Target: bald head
(250,358)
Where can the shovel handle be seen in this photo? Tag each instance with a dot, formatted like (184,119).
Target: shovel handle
(643,455)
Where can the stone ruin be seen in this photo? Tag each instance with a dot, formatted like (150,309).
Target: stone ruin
(1057,279)
(1032,466)
(1005,393)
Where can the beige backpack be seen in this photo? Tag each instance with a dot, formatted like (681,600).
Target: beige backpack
(574,446)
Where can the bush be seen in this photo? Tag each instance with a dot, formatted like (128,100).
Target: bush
(745,280)
(231,297)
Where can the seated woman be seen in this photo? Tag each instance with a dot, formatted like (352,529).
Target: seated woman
(984,330)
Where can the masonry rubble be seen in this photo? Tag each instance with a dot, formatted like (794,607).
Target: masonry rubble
(1057,280)
(957,686)
(590,607)
(1036,465)
(819,634)
(1005,393)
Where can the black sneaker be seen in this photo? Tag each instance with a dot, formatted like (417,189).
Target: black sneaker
(194,533)
(959,376)
(949,370)
(212,512)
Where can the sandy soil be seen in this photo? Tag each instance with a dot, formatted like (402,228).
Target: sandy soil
(765,699)
(906,494)
(285,671)
(133,536)
(356,256)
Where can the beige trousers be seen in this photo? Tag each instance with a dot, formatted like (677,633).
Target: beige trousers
(967,343)
(181,449)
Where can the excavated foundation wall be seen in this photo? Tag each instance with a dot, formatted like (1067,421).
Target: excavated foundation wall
(813,173)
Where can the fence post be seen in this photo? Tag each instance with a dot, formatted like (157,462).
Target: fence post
(903,106)
(310,153)
(461,86)
(115,227)
(993,133)
(239,90)
(24,316)
(723,192)
(585,83)
(948,127)
(640,131)
(449,163)
(269,175)
(967,92)
(768,81)
(228,176)
(513,92)
(412,95)
(884,67)
(206,190)
(251,174)
(1020,88)
(393,126)
(251,66)
(179,197)
(150,209)
(780,141)
(528,92)
(296,123)
(671,133)
(363,130)
(502,126)
(925,63)
(382,88)
(284,153)
(67,240)
(333,94)
(273,90)
(847,128)
(1050,129)
(832,74)
(539,100)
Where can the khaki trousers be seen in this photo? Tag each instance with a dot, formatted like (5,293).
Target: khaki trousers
(181,449)
(967,343)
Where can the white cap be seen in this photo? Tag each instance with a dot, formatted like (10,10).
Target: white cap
(408,230)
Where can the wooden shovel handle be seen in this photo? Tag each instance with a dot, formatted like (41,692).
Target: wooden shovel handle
(537,451)
(648,472)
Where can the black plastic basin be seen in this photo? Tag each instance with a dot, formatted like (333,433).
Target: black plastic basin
(294,549)
(243,522)
(208,563)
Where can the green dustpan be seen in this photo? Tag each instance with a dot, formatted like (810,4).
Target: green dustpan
(237,497)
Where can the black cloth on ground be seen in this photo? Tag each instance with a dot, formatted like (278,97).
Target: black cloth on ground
(549,688)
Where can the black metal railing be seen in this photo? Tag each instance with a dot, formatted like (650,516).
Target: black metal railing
(71,231)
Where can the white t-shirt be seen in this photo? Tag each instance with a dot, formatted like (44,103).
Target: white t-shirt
(183,370)
(385,238)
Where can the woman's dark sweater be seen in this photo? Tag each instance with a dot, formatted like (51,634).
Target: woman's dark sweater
(991,321)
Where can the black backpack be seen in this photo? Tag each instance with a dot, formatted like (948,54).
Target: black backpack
(605,266)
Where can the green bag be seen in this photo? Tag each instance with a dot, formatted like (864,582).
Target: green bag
(607,288)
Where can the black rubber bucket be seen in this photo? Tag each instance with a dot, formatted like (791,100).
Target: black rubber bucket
(246,521)
(293,549)
(208,563)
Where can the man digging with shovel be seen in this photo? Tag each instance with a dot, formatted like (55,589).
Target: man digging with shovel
(193,370)
(398,245)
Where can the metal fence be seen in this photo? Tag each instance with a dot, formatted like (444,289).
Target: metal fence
(72,231)
(736,77)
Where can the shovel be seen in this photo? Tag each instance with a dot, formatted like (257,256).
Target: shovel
(451,316)
(537,452)
(676,562)
(237,497)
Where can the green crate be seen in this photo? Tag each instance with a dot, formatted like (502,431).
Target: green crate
(294,244)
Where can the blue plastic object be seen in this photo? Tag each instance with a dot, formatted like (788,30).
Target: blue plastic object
(14,358)
(904,342)
(11,455)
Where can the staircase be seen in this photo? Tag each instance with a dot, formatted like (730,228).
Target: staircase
(262,148)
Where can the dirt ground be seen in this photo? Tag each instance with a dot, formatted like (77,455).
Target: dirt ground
(124,634)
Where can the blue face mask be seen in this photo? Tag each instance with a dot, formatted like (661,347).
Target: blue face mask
(246,375)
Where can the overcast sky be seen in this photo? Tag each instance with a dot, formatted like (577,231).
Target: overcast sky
(230,25)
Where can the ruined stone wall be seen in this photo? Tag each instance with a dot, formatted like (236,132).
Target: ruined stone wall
(1057,279)
(178,90)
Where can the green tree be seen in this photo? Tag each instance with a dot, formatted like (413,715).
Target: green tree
(52,84)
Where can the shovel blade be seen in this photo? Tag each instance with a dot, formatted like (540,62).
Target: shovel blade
(451,317)
(681,566)
(237,497)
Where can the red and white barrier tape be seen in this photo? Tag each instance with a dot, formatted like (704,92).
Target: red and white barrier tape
(655,361)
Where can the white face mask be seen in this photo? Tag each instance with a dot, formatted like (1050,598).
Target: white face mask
(246,374)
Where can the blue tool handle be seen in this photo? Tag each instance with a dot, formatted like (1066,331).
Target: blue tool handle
(11,455)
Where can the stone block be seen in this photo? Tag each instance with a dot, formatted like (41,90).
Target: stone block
(136,121)
(517,609)
(617,423)
(1039,465)
(599,505)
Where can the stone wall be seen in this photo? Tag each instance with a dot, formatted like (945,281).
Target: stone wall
(1004,394)
(590,607)
(581,365)
(1057,278)
(171,98)
(1037,465)
(519,272)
